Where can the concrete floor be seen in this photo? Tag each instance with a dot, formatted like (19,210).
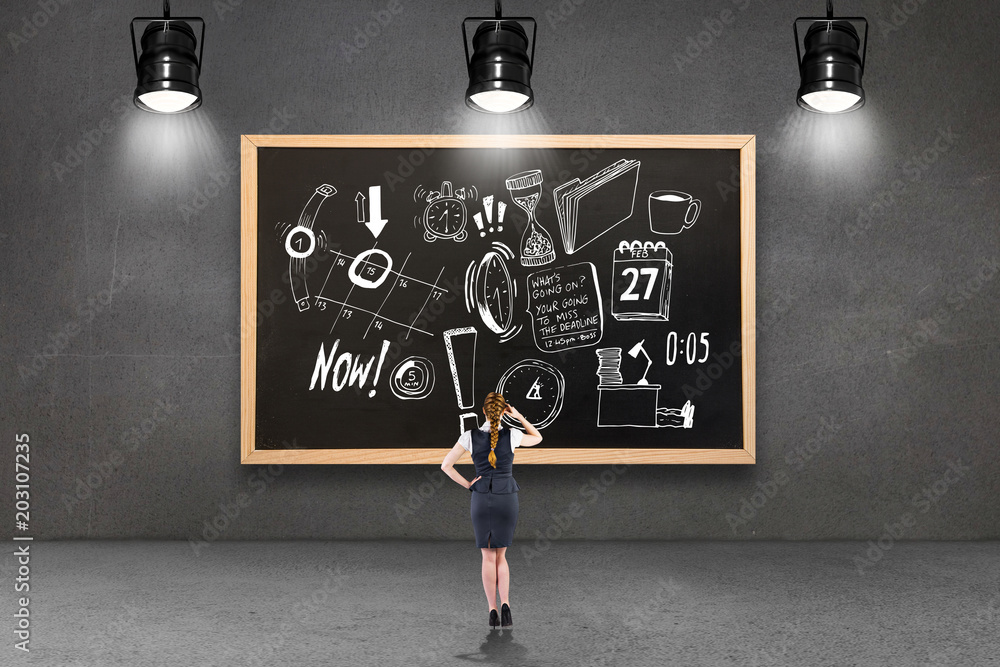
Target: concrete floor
(599,603)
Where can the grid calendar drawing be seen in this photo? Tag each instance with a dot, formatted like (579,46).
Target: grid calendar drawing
(377,291)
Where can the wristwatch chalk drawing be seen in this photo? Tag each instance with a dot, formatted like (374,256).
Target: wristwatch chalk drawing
(300,243)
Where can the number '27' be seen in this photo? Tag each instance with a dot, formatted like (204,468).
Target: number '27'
(629,295)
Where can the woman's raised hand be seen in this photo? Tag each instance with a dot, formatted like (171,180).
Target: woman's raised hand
(528,426)
(512,411)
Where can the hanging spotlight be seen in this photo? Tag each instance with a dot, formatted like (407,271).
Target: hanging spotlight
(500,68)
(167,71)
(831,69)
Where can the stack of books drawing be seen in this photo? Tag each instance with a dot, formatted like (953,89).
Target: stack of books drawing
(587,209)
(609,361)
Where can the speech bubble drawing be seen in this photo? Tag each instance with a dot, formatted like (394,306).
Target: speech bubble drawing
(565,307)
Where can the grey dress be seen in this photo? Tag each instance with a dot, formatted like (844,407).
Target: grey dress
(494,496)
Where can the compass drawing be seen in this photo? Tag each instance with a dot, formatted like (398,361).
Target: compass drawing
(536,388)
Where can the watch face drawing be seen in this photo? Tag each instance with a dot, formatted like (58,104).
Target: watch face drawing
(445,218)
(496,293)
(490,291)
(536,389)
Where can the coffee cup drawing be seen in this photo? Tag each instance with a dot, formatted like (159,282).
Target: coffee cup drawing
(671,212)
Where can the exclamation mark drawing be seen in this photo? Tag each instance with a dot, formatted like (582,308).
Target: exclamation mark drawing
(501,207)
(378,369)
(478,217)
(460,345)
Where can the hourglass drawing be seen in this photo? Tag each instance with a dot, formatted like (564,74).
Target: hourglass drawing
(536,244)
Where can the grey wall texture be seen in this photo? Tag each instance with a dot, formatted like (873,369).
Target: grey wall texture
(878,366)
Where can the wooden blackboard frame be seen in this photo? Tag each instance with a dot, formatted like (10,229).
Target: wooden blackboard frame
(248,291)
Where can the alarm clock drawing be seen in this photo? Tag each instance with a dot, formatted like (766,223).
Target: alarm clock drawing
(445,216)
(536,388)
(490,291)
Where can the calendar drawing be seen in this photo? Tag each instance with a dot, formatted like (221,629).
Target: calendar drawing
(369,286)
(642,277)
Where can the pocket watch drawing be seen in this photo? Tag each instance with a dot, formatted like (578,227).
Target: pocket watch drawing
(445,215)
(490,291)
(536,389)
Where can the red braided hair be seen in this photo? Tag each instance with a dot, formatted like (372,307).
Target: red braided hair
(494,407)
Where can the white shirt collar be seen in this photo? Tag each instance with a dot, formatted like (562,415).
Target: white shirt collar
(485,426)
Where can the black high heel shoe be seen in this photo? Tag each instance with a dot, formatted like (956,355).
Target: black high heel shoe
(494,619)
(505,619)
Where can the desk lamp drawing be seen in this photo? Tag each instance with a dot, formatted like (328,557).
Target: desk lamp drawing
(634,353)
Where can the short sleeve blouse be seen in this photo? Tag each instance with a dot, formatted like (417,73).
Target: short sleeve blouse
(466,438)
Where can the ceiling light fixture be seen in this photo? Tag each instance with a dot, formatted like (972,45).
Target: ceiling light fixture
(500,68)
(834,61)
(167,70)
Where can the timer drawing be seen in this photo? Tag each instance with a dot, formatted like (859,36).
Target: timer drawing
(445,215)
(372,272)
(537,389)
(412,379)
(490,291)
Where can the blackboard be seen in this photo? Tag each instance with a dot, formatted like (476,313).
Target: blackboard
(604,284)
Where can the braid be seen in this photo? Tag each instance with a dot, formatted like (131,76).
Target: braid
(494,407)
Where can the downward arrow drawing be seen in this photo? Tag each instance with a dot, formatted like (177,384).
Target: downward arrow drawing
(377,223)
(376,226)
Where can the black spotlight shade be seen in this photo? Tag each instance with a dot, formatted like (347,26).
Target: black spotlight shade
(500,68)
(831,67)
(167,69)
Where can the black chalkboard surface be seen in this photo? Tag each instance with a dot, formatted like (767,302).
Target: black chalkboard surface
(599,283)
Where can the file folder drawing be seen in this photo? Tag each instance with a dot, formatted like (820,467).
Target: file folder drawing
(587,209)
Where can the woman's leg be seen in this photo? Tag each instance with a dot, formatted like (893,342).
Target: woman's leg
(503,575)
(490,576)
